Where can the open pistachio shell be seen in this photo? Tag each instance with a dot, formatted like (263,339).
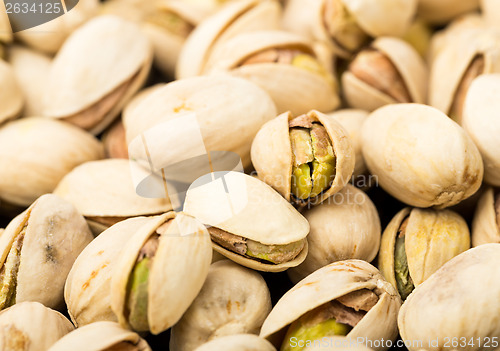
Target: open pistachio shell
(400,77)
(331,283)
(462,293)
(235,18)
(345,226)
(11,95)
(242,342)
(101,336)
(486,222)
(260,217)
(98,69)
(420,156)
(30,326)
(443,11)
(272,154)
(233,300)
(32,146)
(431,238)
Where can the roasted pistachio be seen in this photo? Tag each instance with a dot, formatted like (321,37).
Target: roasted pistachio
(419,36)
(486,222)
(11,96)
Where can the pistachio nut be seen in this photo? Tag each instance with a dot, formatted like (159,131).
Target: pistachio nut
(480,121)
(37,251)
(389,71)
(349,298)
(32,159)
(143,272)
(306,158)
(115,141)
(235,18)
(486,222)
(233,300)
(31,69)
(259,230)
(30,326)
(420,156)
(242,342)
(348,25)
(419,36)
(462,293)
(101,336)
(5,28)
(443,11)
(98,69)
(417,242)
(283,64)
(345,226)
(11,95)
(103,191)
(491,11)
(215,101)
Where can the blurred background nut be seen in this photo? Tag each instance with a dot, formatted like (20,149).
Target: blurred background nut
(233,300)
(5,28)
(115,141)
(486,222)
(242,342)
(416,243)
(11,96)
(491,11)
(419,36)
(443,11)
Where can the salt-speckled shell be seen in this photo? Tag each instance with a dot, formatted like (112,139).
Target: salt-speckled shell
(442,11)
(11,96)
(39,152)
(233,300)
(420,156)
(329,283)
(272,154)
(485,228)
(240,342)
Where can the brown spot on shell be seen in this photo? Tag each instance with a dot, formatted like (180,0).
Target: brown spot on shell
(228,307)
(93,275)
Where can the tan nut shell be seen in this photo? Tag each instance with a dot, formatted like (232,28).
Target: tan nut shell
(97,59)
(265,217)
(485,228)
(460,299)
(491,11)
(11,96)
(34,326)
(235,18)
(345,226)
(442,11)
(99,336)
(272,154)
(45,150)
(241,342)
(409,65)
(233,300)
(420,156)
(5,28)
(432,238)
(327,284)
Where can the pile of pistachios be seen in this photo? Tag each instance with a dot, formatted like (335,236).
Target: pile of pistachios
(251,175)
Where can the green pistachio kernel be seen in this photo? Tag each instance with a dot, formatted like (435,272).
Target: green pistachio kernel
(403,279)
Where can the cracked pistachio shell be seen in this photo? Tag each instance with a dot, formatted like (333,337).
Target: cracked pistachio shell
(486,224)
(233,300)
(5,28)
(329,283)
(235,18)
(55,234)
(33,146)
(432,238)
(292,88)
(420,156)
(98,69)
(443,11)
(408,64)
(216,101)
(241,342)
(30,326)
(272,154)
(11,95)
(481,121)
(462,293)
(343,227)
(100,336)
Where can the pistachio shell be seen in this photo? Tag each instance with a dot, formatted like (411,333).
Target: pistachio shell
(442,11)
(420,156)
(30,326)
(485,225)
(242,342)
(115,142)
(233,300)
(32,146)
(329,283)
(99,336)
(11,96)
(491,11)
(462,293)
(5,29)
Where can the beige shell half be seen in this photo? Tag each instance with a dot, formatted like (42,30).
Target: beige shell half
(485,228)
(40,151)
(11,95)
(409,65)
(420,156)
(54,237)
(107,55)
(442,11)
(179,268)
(272,154)
(327,284)
(20,325)
(343,227)
(254,211)
(491,11)
(235,18)
(5,28)
(241,342)
(462,293)
(432,238)
(99,336)
(233,300)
